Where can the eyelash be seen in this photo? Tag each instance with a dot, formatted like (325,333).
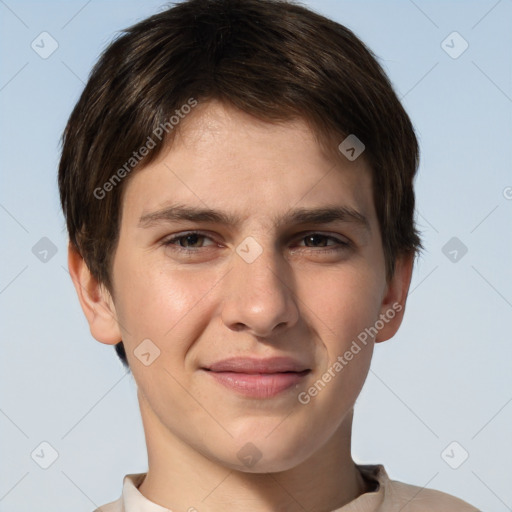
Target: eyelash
(340,244)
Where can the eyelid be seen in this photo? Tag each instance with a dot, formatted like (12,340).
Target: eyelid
(177,236)
(341,241)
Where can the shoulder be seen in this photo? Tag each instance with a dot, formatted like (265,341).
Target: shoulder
(419,499)
(399,496)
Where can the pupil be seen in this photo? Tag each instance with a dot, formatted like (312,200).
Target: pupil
(315,239)
(192,239)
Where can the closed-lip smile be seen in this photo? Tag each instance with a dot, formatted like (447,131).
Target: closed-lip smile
(257,377)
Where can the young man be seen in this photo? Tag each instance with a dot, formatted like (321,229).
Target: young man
(237,182)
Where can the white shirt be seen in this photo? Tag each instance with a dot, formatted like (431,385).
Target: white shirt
(389,496)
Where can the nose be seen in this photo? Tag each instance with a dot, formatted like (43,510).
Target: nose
(258,295)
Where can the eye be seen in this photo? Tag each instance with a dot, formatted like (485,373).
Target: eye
(191,240)
(321,240)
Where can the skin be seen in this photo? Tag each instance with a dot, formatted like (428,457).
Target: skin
(303,297)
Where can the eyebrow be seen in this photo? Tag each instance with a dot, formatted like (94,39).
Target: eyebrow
(322,215)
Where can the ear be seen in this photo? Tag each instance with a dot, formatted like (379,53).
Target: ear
(95,300)
(393,304)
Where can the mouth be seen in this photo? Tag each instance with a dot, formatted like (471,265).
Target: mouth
(258,378)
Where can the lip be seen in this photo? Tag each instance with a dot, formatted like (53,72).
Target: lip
(258,378)
(255,365)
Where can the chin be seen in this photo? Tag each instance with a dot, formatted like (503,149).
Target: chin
(262,456)
(263,465)
(278,443)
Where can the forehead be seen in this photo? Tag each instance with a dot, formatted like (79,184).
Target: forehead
(224,159)
(212,121)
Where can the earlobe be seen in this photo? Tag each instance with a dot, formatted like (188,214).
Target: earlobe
(393,303)
(96,301)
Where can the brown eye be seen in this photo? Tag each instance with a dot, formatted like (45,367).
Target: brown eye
(320,240)
(192,240)
(316,240)
(188,240)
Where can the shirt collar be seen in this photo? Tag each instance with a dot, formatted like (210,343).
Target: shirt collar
(375,475)
(134,500)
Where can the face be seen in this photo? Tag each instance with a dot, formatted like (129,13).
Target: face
(251,263)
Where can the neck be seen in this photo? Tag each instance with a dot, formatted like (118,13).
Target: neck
(181,478)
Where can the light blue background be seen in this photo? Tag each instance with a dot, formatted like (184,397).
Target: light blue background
(445,377)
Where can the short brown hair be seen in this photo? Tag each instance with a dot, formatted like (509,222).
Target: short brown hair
(273,59)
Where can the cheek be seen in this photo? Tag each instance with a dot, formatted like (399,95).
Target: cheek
(347,303)
(169,307)
(344,302)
